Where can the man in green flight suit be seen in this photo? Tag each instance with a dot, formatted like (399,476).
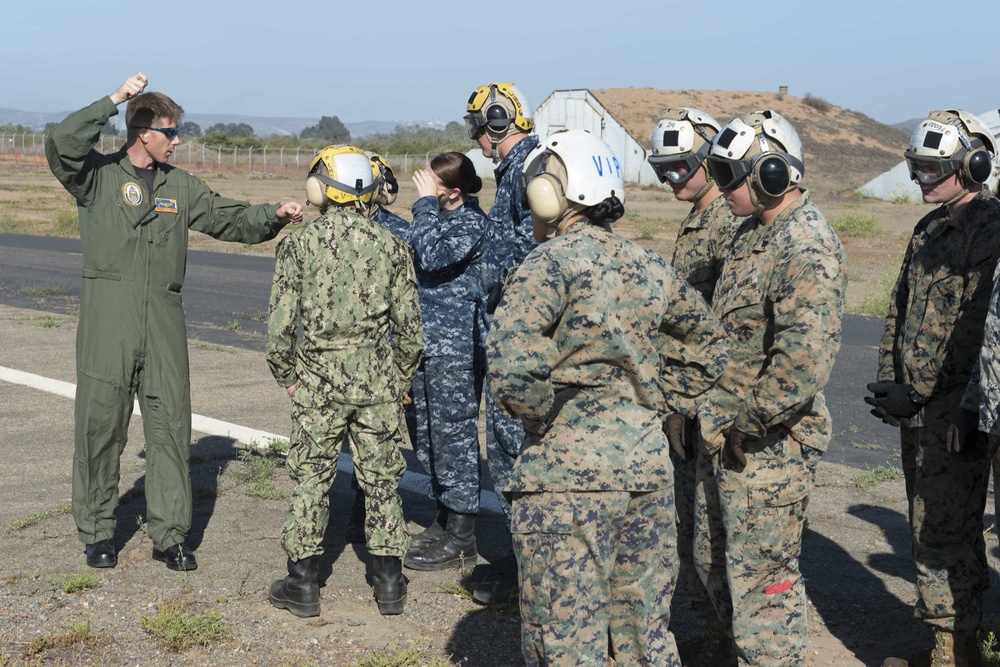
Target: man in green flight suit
(135,211)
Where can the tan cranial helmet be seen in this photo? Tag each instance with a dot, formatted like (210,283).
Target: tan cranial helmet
(680,143)
(763,147)
(947,141)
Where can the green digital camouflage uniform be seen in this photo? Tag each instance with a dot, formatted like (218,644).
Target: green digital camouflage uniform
(351,284)
(702,244)
(933,334)
(594,341)
(132,341)
(780,299)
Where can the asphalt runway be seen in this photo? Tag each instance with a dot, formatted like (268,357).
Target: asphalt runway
(226,299)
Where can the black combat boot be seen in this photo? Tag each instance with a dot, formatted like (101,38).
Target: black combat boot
(456,548)
(355,532)
(299,591)
(390,584)
(500,582)
(433,532)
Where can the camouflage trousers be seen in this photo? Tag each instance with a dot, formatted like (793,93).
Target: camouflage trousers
(685,473)
(596,568)
(374,435)
(946,494)
(445,429)
(748,535)
(504,437)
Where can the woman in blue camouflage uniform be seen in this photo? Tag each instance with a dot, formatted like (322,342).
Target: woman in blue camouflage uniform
(448,236)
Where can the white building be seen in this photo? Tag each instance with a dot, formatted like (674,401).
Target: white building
(896,184)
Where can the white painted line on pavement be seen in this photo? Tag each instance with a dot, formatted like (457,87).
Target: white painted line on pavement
(412,481)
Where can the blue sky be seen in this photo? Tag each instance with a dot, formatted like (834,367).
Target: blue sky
(413,61)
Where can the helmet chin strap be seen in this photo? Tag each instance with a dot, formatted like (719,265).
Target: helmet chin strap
(758,204)
(704,190)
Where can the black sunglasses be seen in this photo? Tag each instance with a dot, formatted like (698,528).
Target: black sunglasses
(169,132)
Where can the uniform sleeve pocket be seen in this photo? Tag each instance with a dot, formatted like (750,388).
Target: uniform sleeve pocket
(548,564)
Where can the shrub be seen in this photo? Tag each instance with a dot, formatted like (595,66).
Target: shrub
(817,103)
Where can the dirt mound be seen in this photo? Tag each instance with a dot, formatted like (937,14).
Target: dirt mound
(843,148)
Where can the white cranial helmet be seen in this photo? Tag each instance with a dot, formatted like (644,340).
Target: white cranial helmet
(680,142)
(763,147)
(570,172)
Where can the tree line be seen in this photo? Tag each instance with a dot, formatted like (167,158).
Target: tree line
(329,130)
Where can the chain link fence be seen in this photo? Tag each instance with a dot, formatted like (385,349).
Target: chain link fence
(30,147)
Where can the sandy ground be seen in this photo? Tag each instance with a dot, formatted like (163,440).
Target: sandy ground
(855,553)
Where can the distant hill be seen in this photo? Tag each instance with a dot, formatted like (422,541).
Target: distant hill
(843,148)
(262,125)
(907,125)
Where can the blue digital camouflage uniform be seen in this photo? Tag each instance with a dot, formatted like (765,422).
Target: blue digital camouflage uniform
(702,244)
(511,238)
(392,222)
(780,298)
(596,338)
(350,283)
(448,248)
(932,340)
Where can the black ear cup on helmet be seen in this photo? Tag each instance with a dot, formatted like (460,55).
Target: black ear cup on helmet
(772,175)
(497,117)
(977,165)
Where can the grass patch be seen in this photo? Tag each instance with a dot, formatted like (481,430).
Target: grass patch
(855,224)
(876,475)
(455,588)
(177,629)
(201,345)
(47,322)
(257,470)
(258,316)
(408,658)
(67,223)
(42,290)
(876,304)
(234,325)
(30,520)
(74,583)
(903,197)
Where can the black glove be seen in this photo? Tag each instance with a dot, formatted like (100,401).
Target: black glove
(734,446)
(965,423)
(894,401)
(680,435)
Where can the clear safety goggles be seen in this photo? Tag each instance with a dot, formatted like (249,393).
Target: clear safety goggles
(930,170)
(728,174)
(475,124)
